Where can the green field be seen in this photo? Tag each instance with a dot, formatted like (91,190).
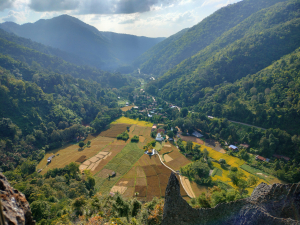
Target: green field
(257,172)
(217,172)
(120,164)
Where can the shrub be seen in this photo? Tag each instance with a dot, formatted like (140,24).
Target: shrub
(135,139)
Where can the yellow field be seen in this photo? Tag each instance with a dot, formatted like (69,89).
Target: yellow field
(72,152)
(230,160)
(131,121)
(224,178)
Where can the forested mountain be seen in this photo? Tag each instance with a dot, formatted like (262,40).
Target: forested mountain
(198,37)
(105,50)
(71,58)
(247,48)
(269,98)
(43,62)
(158,48)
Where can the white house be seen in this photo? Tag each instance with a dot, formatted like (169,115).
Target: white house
(149,115)
(159,137)
(197,134)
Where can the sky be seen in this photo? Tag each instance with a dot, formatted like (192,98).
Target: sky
(151,18)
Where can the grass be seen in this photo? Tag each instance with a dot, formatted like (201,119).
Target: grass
(257,172)
(120,164)
(131,121)
(217,172)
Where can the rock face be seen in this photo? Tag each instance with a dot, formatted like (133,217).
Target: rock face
(16,209)
(268,204)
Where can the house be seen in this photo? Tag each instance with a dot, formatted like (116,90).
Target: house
(210,117)
(197,134)
(281,157)
(149,115)
(233,147)
(127,103)
(258,157)
(244,145)
(159,137)
(135,107)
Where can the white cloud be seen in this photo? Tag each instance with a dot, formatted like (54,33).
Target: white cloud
(14,16)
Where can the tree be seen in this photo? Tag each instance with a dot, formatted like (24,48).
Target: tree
(81,144)
(40,210)
(238,180)
(184,112)
(170,134)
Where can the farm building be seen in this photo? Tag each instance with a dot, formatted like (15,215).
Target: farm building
(281,157)
(233,147)
(258,157)
(197,134)
(159,137)
(135,107)
(210,117)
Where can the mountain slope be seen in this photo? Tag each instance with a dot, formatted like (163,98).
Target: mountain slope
(105,50)
(238,53)
(42,62)
(201,35)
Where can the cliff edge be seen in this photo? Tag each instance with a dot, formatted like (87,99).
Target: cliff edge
(15,208)
(268,204)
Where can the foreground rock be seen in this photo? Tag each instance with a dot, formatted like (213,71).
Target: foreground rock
(268,204)
(16,209)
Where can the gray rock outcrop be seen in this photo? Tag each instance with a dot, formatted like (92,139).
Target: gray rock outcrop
(16,209)
(268,204)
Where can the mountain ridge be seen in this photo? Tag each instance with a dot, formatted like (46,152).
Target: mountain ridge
(69,34)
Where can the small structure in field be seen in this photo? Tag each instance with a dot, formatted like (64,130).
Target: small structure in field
(258,157)
(197,134)
(159,137)
(50,158)
(233,148)
(210,117)
(40,170)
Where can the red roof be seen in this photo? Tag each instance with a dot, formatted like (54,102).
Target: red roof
(260,158)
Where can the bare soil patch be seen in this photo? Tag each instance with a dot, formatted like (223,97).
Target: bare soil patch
(129,193)
(141,181)
(126,182)
(140,172)
(153,188)
(104,173)
(114,130)
(149,171)
(81,159)
(142,139)
(126,108)
(142,190)
(120,189)
(167,158)
(191,138)
(223,151)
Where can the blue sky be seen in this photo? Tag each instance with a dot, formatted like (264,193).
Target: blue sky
(152,18)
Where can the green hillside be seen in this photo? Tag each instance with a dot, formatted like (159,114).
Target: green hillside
(200,36)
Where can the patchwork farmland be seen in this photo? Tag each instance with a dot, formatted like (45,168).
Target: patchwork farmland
(135,173)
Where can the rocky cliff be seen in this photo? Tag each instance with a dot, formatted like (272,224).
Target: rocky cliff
(268,204)
(16,209)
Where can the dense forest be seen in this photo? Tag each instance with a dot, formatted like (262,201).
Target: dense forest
(185,44)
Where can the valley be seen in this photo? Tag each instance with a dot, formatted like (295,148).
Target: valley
(94,122)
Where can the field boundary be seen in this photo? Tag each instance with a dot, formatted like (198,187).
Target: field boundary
(179,177)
